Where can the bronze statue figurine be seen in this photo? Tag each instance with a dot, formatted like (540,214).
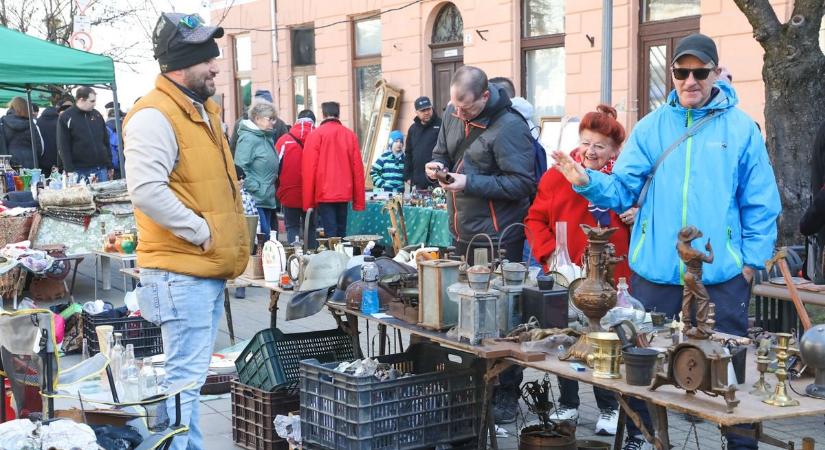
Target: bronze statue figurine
(694,293)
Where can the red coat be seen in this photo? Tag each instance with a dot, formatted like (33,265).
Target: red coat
(332,167)
(290,153)
(556,201)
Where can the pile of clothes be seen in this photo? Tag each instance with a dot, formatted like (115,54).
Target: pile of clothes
(112,197)
(74,204)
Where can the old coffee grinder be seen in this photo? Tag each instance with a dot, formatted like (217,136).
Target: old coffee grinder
(698,363)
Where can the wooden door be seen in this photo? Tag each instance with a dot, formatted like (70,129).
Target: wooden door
(442,74)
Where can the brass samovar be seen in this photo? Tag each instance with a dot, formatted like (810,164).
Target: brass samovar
(594,296)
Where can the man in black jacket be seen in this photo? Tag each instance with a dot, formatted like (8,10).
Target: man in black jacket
(48,129)
(82,139)
(421,139)
(487,148)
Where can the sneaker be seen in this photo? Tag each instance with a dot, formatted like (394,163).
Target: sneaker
(564,412)
(607,422)
(636,443)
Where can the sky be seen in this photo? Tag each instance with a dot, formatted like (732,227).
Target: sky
(137,78)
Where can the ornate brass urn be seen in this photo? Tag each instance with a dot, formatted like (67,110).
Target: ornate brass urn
(595,296)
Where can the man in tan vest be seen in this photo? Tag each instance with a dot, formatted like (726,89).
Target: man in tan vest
(192,231)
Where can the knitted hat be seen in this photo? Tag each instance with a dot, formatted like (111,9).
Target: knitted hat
(184,40)
(396,135)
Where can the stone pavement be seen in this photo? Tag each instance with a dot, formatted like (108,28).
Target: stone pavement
(251,315)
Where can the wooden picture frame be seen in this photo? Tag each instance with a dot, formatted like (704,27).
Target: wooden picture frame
(383,116)
(549,136)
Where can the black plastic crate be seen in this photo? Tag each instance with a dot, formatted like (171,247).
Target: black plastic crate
(253,413)
(439,404)
(271,358)
(142,334)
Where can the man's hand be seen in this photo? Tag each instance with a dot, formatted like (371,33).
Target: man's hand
(571,170)
(207,244)
(431,168)
(748,273)
(629,216)
(457,185)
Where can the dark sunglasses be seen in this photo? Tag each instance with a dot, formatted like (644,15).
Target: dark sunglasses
(191,21)
(698,74)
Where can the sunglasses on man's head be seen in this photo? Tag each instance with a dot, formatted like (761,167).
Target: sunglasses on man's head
(699,74)
(191,21)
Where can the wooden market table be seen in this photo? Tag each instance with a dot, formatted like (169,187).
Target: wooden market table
(750,409)
(134,273)
(274,293)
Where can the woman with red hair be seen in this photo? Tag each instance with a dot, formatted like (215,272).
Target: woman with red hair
(601,136)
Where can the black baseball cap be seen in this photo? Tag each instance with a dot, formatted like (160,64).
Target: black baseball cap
(183,40)
(423,102)
(698,45)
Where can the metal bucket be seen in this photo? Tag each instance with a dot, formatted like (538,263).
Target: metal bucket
(535,437)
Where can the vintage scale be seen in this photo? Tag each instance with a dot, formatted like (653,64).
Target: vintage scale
(478,305)
(699,364)
(595,295)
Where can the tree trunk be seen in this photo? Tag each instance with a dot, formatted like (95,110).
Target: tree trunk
(793,70)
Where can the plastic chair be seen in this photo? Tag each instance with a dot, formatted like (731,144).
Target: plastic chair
(28,358)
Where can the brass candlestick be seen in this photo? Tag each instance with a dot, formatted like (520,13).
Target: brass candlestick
(780,396)
(761,388)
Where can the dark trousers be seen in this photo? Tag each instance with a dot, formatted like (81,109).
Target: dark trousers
(265,216)
(295,223)
(334,218)
(569,395)
(731,299)
(510,379)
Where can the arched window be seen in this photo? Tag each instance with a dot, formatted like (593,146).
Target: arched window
(449,27)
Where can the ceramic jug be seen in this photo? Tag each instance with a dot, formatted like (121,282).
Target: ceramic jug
(273,258)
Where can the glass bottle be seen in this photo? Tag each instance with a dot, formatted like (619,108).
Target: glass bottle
(148,383)
(369,294)
(85,349)
(560,259)
(116,357)
(129,375)
(627,308)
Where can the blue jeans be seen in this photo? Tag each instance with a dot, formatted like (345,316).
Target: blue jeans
(265,216)
(294,219)
(101,173)
(188,310)
(731,299)
(334,218)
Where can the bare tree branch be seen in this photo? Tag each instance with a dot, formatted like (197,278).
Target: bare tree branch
(762,17)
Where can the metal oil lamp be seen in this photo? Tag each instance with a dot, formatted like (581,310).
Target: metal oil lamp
(511,285)
(478,304)
(595,295)
(435,310)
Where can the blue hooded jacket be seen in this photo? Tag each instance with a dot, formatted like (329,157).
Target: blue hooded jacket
(719,180)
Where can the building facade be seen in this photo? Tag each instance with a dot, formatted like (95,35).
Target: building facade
(310,51)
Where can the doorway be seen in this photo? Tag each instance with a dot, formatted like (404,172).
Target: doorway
(447,46)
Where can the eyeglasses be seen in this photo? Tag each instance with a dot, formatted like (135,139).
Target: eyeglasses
(698,74)
(191,21)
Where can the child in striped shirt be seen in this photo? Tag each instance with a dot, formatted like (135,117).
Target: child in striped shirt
(387,172)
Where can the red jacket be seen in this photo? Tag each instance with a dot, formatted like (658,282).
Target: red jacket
(332,167)
(557,202)
(290,153)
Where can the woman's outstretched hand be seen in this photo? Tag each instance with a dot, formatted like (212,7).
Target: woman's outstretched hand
(571,170)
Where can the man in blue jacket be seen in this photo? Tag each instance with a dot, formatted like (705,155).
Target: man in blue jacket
(719,180)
